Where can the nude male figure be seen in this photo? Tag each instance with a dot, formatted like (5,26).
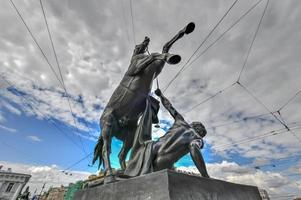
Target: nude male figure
(180,139)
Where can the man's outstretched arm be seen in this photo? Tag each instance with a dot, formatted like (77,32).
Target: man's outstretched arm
(195,147)
(166,103)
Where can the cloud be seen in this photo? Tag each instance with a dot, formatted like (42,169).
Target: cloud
(94,42)
(40,174)
(2,118)
(8,129)
(34,138)
(9,107)
(273,182)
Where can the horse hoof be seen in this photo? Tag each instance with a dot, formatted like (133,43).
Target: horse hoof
(189,28)
(109,179)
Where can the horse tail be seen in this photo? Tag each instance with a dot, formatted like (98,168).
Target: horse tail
(98,152)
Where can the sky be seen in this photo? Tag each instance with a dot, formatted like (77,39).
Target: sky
(247,141)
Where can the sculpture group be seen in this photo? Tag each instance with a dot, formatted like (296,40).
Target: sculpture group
(131,102)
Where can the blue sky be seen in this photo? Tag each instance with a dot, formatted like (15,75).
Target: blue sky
(40,142)
(94,41)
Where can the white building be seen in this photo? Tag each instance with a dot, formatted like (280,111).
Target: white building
(11,184)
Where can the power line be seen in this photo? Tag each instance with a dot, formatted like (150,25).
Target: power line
(213,43)
(237,121)
(210,97)
(253,40)
(125,21)
(39,47)
(52,124)
(133,25)
(35,109)
(222,35)
(60,72)
(290,100)
(79,161)
(19,151)
(261,103)
(276,161)
(205,39)
(36,42)
(52,45)
(296,136)
(257,137)
(49,120)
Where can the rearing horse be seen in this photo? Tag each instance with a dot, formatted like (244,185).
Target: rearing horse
(128,102)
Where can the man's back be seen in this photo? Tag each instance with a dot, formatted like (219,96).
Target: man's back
(179,137)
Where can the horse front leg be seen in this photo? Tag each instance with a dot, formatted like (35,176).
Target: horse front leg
(186,30)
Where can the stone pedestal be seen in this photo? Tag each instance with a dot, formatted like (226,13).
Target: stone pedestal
(169,185)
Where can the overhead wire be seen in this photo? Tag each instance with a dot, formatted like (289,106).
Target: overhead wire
(60,73)
(222,35)
(236,22)
(209,98)
(239,120)
(282,119)
(133,25)
(36,42)
(19,151)
(253,40)
(125,21)
(193,55)
(39,47)
(257,137)
(231,85)
(77,162)
(261,103)
(289,100)
(35,109)
(205,39)
(276,161)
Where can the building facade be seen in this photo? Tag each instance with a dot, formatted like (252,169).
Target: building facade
(73,187)
(264,194)
(56,193)
(11,184)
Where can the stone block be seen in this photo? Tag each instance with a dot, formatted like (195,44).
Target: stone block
(170,185)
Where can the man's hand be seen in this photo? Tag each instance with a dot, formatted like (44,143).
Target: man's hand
(158,92)
(198,143)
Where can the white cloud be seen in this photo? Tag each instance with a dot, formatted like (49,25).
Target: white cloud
(34,138)
(40,174)
(12,130)
(2,118)
(94,48)
(9,107)
(273,182)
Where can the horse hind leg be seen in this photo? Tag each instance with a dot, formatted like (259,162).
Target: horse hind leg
(107,131)
(122,156)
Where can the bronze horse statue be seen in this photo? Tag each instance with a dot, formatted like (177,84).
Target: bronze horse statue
(128,101)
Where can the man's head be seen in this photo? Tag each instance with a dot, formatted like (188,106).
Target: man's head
(199,128)
(141,48)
